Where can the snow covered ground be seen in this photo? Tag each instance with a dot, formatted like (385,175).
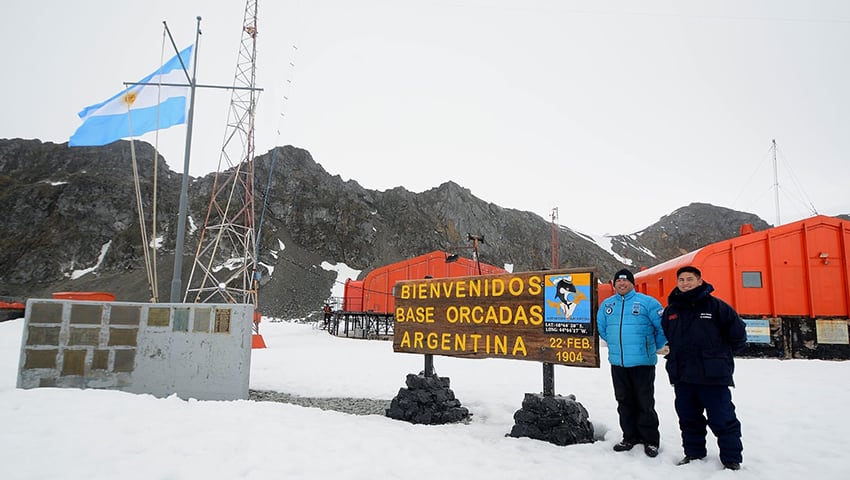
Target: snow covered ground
(794,416)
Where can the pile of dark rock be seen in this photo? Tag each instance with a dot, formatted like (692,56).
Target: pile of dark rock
(427,400)
(552,418)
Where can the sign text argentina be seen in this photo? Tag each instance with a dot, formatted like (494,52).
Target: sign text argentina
(540,316)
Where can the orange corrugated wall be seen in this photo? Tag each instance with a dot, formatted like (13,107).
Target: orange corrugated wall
(352,300)
(804,266)
(378,284)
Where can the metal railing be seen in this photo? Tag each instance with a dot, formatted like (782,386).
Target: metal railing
(366,325)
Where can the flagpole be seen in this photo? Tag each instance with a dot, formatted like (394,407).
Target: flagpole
(176,278)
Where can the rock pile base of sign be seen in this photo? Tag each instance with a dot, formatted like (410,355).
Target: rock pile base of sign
(427,400)
(553,418)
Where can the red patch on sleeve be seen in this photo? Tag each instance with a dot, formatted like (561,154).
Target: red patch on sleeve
(673,316)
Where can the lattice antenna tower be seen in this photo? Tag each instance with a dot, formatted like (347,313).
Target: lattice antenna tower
(225,266)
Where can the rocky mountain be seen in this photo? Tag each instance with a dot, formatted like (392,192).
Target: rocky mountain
(685,230)
(70,210)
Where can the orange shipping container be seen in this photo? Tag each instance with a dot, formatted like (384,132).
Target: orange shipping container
(89,296)
(375,292)
(800,269)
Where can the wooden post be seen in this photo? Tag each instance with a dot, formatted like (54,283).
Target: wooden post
(429,365)
(548,379)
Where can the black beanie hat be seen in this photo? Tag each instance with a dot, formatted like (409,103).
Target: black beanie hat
(624,273)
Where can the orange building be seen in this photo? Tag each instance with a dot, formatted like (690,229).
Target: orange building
(374,293)
(793,280)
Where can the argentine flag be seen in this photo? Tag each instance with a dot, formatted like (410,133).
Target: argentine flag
(150,107)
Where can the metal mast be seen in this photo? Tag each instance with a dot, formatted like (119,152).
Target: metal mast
(225,265)
(556,246)
(775,183)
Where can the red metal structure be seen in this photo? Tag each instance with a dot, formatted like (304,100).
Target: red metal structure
(11,308)
(374,293)
(798,269)
(795,276)
(226,263)
(225,266)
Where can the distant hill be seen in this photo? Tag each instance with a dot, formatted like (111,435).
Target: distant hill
(685,230)
(71,209)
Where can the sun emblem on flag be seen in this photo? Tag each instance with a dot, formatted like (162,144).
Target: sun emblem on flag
(129,98)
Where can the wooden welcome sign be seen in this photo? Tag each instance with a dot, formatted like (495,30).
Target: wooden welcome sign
(540,316)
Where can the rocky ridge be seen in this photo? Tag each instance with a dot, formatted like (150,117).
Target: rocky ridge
(73,209)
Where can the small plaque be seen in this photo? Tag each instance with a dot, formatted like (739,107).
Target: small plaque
(40,359)
(74,362)
(125,337)
(43,336)
(100,360)
(201,321)
(159,317)
(833,332)
(181,320)
(222,320)
(124,315)
(84,336)
(124,360)
(758,330)
(86,314)
(46,313)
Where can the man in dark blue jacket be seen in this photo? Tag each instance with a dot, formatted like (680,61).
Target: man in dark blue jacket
(703,333)
(630,323)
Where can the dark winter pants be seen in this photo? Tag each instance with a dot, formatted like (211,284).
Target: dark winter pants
(716,401)
(634,389)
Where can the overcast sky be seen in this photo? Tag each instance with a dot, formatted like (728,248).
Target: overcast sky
(614,112)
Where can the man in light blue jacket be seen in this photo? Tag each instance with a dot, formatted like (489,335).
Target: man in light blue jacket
(630,323)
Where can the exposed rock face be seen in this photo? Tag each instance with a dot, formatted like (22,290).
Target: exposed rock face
(683,231)
(73,209)
(63,206)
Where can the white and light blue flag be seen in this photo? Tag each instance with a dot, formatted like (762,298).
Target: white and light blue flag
(138,109)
